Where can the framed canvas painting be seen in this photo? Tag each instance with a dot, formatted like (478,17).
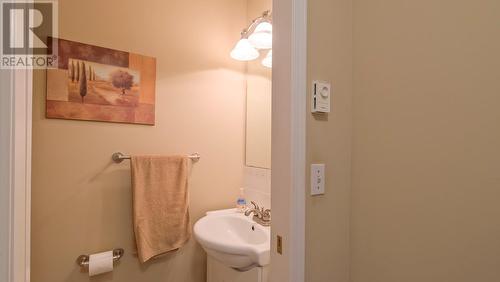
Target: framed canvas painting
(100,84)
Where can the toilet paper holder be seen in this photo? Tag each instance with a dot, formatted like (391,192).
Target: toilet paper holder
(83,260)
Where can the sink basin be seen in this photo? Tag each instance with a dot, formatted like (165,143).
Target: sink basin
(234,239)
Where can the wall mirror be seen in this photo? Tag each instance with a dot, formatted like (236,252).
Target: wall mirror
(258,115)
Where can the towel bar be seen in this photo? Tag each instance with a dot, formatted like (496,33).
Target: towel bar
(119,157)
(83,260)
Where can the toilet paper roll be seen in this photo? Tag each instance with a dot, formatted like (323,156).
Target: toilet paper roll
(100,263)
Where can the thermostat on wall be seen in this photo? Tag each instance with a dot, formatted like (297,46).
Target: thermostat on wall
(321,97)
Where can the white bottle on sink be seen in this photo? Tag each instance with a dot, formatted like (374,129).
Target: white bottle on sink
(241,202)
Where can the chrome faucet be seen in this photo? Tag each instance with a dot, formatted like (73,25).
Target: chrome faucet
(260,215)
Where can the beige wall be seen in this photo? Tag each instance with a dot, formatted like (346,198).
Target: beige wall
(426,141)
(82,201)
(329,141)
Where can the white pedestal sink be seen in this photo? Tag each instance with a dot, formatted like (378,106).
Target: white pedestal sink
(234,239)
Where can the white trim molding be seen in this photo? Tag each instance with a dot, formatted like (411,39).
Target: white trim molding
(289,139)
(16,174)
(298,139)
(16,168)
(20,190)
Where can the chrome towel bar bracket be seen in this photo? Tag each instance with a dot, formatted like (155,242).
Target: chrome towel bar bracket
(83,260)
(119,157)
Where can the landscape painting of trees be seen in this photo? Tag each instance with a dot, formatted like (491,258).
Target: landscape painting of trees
(94,83)
(100,84)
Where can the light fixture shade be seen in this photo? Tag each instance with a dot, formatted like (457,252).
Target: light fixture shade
(268,60)
(262,36)
(244,51)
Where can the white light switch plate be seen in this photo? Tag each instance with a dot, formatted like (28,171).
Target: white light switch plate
(317,179)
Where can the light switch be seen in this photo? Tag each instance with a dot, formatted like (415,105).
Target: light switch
(321,95)
(317,179)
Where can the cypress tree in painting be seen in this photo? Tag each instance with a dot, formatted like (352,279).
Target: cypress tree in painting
(72,71)
(77,75)
(83,83)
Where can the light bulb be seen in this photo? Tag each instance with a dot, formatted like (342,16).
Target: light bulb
(262,36)
(244,51)
(268,60)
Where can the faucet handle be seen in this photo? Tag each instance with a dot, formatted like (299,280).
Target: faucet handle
(255,206)
(251,210)
(266,214)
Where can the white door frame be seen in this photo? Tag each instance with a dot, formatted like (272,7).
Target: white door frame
(289,139)
(18,172)
(21,176)
(15,168)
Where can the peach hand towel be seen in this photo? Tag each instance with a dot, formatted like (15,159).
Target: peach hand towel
(160,203)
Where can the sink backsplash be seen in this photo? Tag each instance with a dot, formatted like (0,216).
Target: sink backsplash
(257,183)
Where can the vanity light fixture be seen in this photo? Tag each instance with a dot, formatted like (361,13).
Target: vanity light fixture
(268,60)
(244,51)
(258,35)
(262,37)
